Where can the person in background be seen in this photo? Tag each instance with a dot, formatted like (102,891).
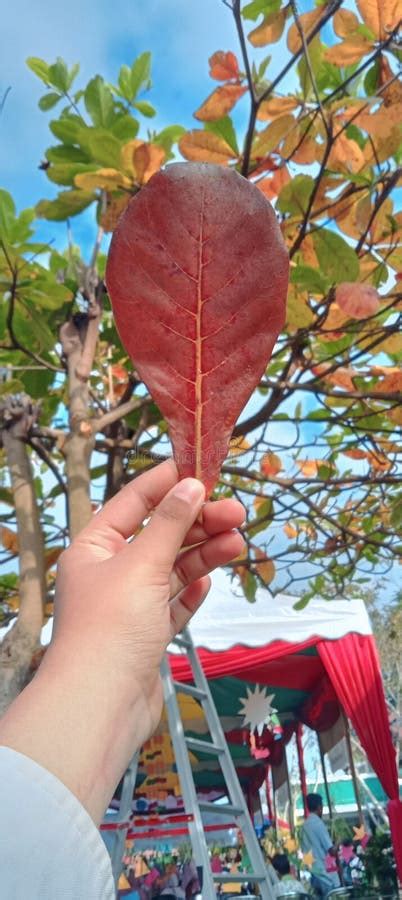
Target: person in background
(287,884)
(315,839)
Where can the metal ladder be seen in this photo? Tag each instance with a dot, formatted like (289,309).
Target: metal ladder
(217,747)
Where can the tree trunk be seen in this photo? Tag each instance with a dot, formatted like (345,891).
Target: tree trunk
(23,638)
(79,444)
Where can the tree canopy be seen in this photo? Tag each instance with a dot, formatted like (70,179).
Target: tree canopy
(316,455)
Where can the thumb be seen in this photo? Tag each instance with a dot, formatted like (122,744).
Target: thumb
(162,538)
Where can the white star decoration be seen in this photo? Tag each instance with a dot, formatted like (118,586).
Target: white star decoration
(257,708)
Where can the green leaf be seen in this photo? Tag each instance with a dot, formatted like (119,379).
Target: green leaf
(99,102)
(396,512)
(49,100)
(20,230)
(250,587)
(309,278)
(66,128)
(140,76)
(224,128)
(336,258)
(302,603)
(7,212)
(64,173)
(124,83)
(66,204)
(145,108)
(72,74)
(256,7)
(39,67)
(265,514)
(315,50)
(371,80)
(13,386)
(58,75)
(125,128)
(37,382)
(295,195)
(169,136)
(101,146)
(66,153)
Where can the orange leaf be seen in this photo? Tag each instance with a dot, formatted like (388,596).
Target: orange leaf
(396,415)
(308,467)
(380,16)
(307,21)
(223,66)
(276,106)
(147,159)
(392,383)
(355,453)
(51,556)
(270,30)
(238,445)
(343,377)
(302,151)
(220,102)
(379,462)
(344,23)
(358,301)
(203,146)
(270,464)
(349,51)
(9,539)
(272,186)
(290,530)
(393,93)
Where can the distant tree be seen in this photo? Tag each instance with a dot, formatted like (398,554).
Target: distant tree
(323,486)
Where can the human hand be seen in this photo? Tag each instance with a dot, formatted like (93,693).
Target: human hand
(121,603)
(97,695)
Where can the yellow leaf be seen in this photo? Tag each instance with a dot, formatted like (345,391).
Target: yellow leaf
(269,31)
(391,345)
(9,539)
(298,312)
(203,146)
(147,159)
(269,139)
(115,205)
(307,21)
(290,845)
(220,102)
(270,464)
(276,106)
(127,152)
(344,23)
(238,445)
(396,415)
(104,179)
(380,16)
(349,51)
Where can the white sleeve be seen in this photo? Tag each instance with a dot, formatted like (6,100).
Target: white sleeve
(50,848)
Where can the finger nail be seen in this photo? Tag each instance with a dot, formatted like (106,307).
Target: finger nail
(189,490)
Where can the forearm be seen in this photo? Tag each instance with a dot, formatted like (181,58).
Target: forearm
(81,723)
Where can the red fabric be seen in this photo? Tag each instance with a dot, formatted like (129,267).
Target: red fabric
(321,709)
(302,768)
(353,666)
(217,664)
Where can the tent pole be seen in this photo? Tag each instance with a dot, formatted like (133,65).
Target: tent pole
(302,769)
(291,810)
(268,796)
(353,769)
(324,772)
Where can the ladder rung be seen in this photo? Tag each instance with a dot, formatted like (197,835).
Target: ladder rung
(223,809)
(182,642)
(189,689)
(240,877)
(204,747)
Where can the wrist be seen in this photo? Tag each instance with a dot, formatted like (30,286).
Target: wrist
(78,704)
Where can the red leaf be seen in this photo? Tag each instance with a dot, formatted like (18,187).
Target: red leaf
(197,274)
(359,301)
(223,66)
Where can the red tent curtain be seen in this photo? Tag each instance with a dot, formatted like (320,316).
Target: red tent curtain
(353,666)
